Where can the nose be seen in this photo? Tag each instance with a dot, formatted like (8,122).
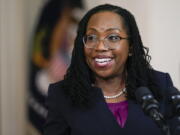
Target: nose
(101,46)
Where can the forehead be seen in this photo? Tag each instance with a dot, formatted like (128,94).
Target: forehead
(105,20)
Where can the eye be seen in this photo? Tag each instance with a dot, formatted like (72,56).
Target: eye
(113,38)
(91,38)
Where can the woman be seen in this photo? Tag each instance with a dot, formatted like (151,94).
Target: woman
(97,95)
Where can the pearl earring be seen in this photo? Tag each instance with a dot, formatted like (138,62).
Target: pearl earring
(130,54)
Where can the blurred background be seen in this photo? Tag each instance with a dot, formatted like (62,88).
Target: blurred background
(36,38)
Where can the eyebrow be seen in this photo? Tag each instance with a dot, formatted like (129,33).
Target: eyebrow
(110,29)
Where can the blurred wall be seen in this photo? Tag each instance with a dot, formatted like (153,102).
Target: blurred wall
(17,18)
(163,39)
(159,26)
(13,49)
(31,15)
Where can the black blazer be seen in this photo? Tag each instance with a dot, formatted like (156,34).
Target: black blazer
(64,119)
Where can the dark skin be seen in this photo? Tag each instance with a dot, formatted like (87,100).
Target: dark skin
(109,76)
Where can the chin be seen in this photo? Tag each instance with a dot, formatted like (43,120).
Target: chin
(105,76)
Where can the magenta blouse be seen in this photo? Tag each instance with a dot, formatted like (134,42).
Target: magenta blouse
(120,111)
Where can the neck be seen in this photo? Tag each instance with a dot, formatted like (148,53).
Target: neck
(110,86)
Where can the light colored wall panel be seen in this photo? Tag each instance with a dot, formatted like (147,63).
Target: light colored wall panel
(164,29)
(12,68)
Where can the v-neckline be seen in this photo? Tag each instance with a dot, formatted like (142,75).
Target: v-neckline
(111,115)
(134,112)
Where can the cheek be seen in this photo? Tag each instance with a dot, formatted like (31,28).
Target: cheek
(123,52)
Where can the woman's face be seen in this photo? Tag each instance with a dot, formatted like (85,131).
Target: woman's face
(103,61)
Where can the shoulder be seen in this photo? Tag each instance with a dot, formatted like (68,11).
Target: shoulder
(162,79)
(56,95)
(55,89)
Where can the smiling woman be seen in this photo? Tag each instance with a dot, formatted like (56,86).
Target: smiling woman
(106,59)
(97,95)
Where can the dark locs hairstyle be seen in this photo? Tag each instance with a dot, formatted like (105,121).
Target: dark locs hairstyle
(79,77)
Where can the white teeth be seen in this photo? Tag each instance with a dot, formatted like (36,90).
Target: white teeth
(101,60)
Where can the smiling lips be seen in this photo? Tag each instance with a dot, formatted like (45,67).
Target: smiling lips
(102,62)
